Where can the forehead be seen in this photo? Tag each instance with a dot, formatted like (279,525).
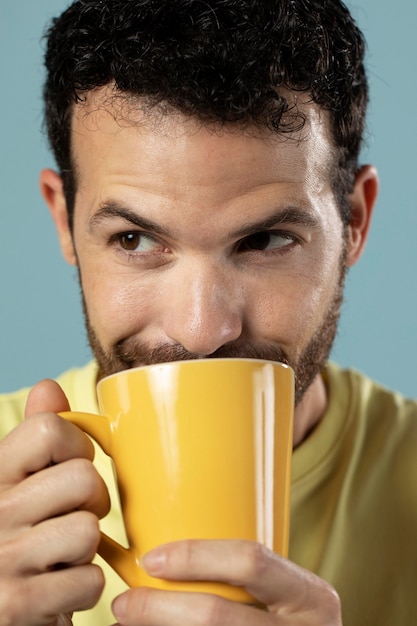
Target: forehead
(111,128)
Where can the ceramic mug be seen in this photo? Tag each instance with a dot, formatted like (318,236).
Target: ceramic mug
(201,449)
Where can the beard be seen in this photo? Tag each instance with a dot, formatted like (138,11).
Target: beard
(131,352)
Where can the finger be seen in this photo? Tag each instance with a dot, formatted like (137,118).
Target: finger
(74,589)
(46,396)
(30,602)
(59,489)
(68,540)
(41,440)
(152,607)
(273,580)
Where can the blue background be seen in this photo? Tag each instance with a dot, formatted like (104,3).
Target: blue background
(41,326)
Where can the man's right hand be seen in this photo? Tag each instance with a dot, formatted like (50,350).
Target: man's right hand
(51,498)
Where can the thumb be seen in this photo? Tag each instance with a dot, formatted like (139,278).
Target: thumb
(46,396)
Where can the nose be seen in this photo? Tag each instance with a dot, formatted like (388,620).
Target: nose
(204,311)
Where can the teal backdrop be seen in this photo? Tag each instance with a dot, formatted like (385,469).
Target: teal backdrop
(41,325)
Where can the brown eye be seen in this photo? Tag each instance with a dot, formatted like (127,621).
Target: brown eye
(267,240)
(259,241)
(138,242)
(130,241)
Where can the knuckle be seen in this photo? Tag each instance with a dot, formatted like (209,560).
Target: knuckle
(213,612)
(138,602)
(7,505)
(256,559)
(181,555)
(12,504)
(10,555)
(96,582)
(189,551)
(89,529)
(86,476)
(90,489)
(84,585)
(145,605)
(331,600)
(47,426)
(321,599)
(11,605)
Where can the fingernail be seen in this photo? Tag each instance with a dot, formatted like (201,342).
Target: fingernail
(154,561)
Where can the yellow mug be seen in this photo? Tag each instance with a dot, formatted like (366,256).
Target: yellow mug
(201,449)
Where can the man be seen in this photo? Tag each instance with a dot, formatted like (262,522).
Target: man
(209,194)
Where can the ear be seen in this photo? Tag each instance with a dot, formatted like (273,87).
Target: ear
(52,191)
(362,200)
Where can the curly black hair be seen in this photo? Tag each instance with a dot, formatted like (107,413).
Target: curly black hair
(219,60)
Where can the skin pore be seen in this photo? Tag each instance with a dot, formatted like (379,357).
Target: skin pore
(193,240)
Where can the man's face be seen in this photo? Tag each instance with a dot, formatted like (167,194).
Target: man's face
(196,241)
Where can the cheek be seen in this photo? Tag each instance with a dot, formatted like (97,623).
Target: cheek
(116,308)
(291,308)
(319,295)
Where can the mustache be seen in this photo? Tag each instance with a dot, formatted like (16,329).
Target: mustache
(132,353)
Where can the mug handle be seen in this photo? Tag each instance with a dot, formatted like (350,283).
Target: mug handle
(121,559)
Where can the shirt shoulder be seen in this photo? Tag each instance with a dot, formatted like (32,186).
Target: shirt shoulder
(354,500)
(358,411)
(78,385)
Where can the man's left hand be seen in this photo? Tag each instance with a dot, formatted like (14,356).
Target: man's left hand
(292,596)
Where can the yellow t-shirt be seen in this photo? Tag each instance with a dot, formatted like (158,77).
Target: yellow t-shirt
(354,497)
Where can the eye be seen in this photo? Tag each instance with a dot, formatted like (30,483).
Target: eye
(138,242)
(267,240)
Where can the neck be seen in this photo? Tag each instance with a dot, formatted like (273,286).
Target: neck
(309,410)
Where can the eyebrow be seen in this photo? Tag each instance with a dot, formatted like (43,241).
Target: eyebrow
(288,215)
(113,209)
